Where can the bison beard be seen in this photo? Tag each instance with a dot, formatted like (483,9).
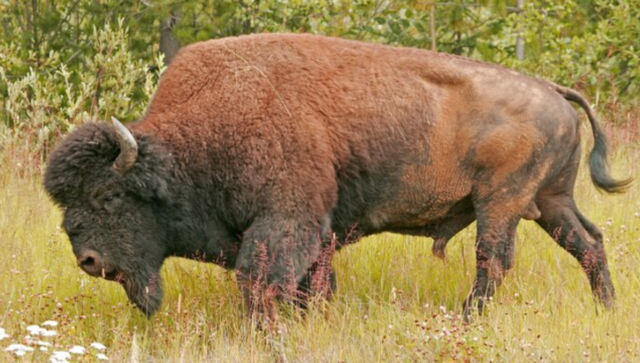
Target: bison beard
(256,149)
(144,289)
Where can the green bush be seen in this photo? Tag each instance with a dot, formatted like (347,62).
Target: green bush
(42,104)
(603,60)
(62,64)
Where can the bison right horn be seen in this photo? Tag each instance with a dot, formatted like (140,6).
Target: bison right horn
(128,148)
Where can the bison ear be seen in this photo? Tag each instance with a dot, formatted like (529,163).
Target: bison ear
(150,184)
(152,175)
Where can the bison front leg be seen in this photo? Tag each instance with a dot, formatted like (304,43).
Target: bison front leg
(494,257)
(275,256)
(320,279)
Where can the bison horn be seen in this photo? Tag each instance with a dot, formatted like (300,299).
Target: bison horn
(128,148)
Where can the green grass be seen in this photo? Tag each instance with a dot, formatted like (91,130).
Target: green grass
(396,302)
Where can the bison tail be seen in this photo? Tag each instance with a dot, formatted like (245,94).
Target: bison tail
(598,158)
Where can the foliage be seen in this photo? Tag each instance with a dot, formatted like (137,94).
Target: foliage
(47,101)
(67,61)
(602,60)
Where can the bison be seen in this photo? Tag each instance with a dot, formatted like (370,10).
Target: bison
(264,153)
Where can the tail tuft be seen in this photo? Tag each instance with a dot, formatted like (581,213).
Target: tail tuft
(600,168)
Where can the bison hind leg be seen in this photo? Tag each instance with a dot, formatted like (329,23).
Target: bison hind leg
(562,220)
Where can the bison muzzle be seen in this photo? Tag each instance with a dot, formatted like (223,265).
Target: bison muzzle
(264,153)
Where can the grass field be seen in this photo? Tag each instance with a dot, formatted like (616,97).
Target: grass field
(396,302)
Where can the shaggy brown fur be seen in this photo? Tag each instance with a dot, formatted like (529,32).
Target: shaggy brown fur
(281,139)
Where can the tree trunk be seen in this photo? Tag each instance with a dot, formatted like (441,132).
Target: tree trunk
(169,44)
(519,39)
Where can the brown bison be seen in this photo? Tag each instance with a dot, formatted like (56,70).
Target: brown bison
(262,153)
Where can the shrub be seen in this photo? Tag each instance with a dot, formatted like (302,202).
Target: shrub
(43,104)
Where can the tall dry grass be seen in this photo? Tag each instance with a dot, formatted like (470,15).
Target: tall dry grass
(395,303)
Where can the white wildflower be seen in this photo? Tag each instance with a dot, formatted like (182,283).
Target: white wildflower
(44,349)
(50,323)
(98,346)
(19,349)
(60,357)
(101,356)
(76,349)
(62,354)
(3,334)
(14,347)
(36,330)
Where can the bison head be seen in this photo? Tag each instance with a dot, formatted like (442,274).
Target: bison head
(114,192)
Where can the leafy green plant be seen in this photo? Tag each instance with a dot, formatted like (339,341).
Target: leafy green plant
(61,63)
(45,103)
(603,60)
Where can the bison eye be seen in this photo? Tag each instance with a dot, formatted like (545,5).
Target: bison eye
(111,202)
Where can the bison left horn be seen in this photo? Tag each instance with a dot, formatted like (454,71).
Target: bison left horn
(128,148)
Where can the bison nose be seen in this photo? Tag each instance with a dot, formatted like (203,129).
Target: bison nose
(91,262)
